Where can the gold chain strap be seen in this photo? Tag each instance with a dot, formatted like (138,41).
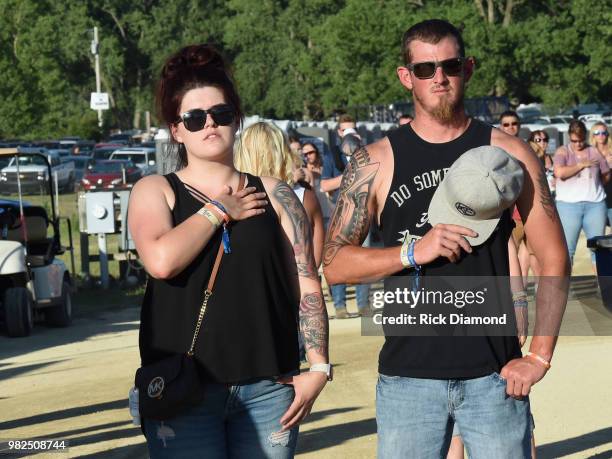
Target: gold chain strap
(199,324)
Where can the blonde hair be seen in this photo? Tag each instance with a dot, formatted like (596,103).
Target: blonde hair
(592,137)
(263,150)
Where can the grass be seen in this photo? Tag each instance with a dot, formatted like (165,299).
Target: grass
(87,298)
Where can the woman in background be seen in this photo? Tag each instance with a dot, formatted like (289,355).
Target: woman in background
(599,137)
(263,150)
(581,172)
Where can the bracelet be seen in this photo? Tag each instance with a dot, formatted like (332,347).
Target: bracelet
(210,216)
(222,208)
(404,254)
(221,211)
(519,295)
(540,359)
(411,256)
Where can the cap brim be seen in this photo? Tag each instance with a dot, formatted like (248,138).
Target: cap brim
(440,211)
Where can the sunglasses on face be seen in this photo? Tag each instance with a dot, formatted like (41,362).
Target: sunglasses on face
(541,140)
(576,140)
(426,70)
(308,152)
(604,133)
(513,124)
(194,120)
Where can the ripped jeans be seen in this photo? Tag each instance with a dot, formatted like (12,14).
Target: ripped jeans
(240,421)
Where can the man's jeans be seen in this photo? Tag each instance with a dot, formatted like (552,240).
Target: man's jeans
(588,216)
(415,418)
(233,421)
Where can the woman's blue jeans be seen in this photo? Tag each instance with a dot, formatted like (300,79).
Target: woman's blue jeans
(586,215)
(236,421)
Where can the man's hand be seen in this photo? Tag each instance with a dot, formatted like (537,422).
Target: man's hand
(443,241)
(520,375)
(307,386)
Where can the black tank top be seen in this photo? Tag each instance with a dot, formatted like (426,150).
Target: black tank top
(419,167)
(250,326)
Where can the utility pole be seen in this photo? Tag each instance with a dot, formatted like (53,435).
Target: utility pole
(94,51)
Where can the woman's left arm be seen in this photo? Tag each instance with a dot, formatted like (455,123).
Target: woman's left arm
(312,311)
(603,167)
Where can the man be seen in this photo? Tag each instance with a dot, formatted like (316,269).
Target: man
(510,123)
(426,384)
(404,119)
(331,177)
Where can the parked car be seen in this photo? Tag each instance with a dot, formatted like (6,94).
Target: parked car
(144,158)
(34,174)
(104,150)
(81,164)
(111,174)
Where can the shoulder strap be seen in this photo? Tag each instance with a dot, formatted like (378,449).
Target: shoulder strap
(209,287)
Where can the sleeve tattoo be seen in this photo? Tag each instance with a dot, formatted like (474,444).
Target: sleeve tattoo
(350,221)
(313,323)
(548,204)
(302,237)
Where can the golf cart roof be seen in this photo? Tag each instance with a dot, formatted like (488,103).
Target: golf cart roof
(8,151)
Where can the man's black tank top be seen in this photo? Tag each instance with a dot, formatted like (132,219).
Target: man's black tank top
(250,326)
(419,167)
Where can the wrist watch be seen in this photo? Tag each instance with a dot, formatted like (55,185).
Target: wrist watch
(324,368)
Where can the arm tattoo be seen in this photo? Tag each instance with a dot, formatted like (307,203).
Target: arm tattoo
(350,222)
(302,237)
(545,198)
(313,323)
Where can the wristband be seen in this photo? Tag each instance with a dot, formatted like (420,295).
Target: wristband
(213,207)
(540,359)
(411,256)
(404,254)
(210,216)
(222,209)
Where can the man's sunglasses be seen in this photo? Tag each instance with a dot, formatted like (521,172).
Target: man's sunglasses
(194,120)
(513,123)
(601,133)
(426,70)
(308,152)
(540,140)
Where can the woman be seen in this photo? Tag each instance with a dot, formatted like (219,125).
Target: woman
(247,351)
(581,200)
(263,150)
(599,137)
(538,141)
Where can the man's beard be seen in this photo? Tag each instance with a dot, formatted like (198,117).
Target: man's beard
(446,108)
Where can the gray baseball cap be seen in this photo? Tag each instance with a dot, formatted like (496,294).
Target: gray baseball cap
(478,187)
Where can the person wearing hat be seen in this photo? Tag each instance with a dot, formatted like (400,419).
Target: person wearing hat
(429,383)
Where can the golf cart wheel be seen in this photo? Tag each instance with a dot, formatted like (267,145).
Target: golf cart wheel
(61,315)
(18,311)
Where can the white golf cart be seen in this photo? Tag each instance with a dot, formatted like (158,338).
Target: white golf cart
(33,281)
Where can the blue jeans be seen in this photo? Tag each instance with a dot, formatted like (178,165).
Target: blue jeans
(362,291)
(233,422)
(590,216)
(415,418)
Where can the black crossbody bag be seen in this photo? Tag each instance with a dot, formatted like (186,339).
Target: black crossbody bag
(171,386)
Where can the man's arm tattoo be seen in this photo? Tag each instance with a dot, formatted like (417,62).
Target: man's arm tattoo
(545,197)
(302,238)
(313,323)
(350,222)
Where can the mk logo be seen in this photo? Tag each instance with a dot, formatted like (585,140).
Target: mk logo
(464,210)
(156,387)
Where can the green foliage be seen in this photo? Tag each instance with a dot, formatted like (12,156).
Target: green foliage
(291,58)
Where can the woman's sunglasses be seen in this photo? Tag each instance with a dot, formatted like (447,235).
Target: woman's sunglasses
(538,140)
(426,70)
(194,120)
(605,133)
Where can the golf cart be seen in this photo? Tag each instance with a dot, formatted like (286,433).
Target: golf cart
(33,282)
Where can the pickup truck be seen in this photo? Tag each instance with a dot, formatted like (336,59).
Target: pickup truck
(34,175)
(143,157)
